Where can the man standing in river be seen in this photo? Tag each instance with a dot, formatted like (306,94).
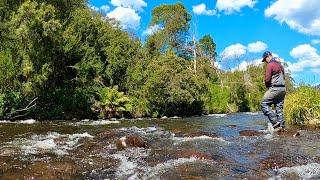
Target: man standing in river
(275,82)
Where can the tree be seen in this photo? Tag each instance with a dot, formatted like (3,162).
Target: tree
(37,33)
(9,71)
(208,47)
(100,52)
(169,87)
(174,20)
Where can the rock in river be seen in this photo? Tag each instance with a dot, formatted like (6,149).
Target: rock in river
(130,141)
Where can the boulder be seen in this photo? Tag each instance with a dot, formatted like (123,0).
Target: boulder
(130,141)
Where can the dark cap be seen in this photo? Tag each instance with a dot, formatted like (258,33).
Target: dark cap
(266,54)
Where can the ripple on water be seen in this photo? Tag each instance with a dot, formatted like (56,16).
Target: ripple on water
(159,169)
(52,142)
(131,162)
(97,123)
(197,138)
(28,121)
(253,113)
(133,167)
(217,115)
(308,171)
(149,131)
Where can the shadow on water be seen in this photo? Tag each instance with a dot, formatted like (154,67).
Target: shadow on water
(214,146)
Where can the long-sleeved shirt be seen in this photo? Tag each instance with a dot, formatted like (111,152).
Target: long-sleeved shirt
(274,76)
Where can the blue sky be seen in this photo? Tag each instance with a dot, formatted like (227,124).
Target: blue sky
(242,29)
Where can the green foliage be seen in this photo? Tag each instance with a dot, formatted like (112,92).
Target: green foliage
(9,71)
(302,107)
(175,22)
(64,102)
(169,87)
(36,31)
(208,47)
(246,88)
(111,103)
(59,48)
(105,52)
(59,52)
(10,101)
(218,99)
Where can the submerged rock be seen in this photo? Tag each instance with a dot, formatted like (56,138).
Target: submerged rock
(232,126)
(195,154)
(250,133)
(276,161)
(130,141)
(193,134)
(43,170)
(106,134)
(288,133)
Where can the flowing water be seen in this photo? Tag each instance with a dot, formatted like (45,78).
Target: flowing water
(208,147)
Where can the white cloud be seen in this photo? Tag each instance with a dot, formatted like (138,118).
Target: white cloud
(233,51)
(315,41)
(305,51)
(306,56)
(94,8)
(151,30)
(201,9)
(105,8)
(257,47)
(217,65)
(231,6)
(102,9)
(137,5)
(243,66)
(127,17)
(238,50)
(300,15)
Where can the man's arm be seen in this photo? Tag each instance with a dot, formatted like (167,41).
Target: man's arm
(268,75)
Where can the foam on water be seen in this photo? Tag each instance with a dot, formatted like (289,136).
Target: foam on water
(197,138)
(131,162)
(126,167)
(269,132)
(217,115)
(149,131)
(132,165)
(253,113)
(308,171)
(46,143)
(28,121)
(96,123)
(154,172)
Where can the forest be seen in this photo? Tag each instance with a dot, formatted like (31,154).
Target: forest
(67,61)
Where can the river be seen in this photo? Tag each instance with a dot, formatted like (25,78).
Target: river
(227,146)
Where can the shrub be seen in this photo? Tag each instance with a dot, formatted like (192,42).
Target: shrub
(217,99)
(111,103)
(9,103)
(302,107)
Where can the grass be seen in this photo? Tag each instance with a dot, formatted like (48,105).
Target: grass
(302,107)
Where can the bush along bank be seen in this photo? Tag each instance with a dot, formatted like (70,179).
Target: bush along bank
(302,107)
